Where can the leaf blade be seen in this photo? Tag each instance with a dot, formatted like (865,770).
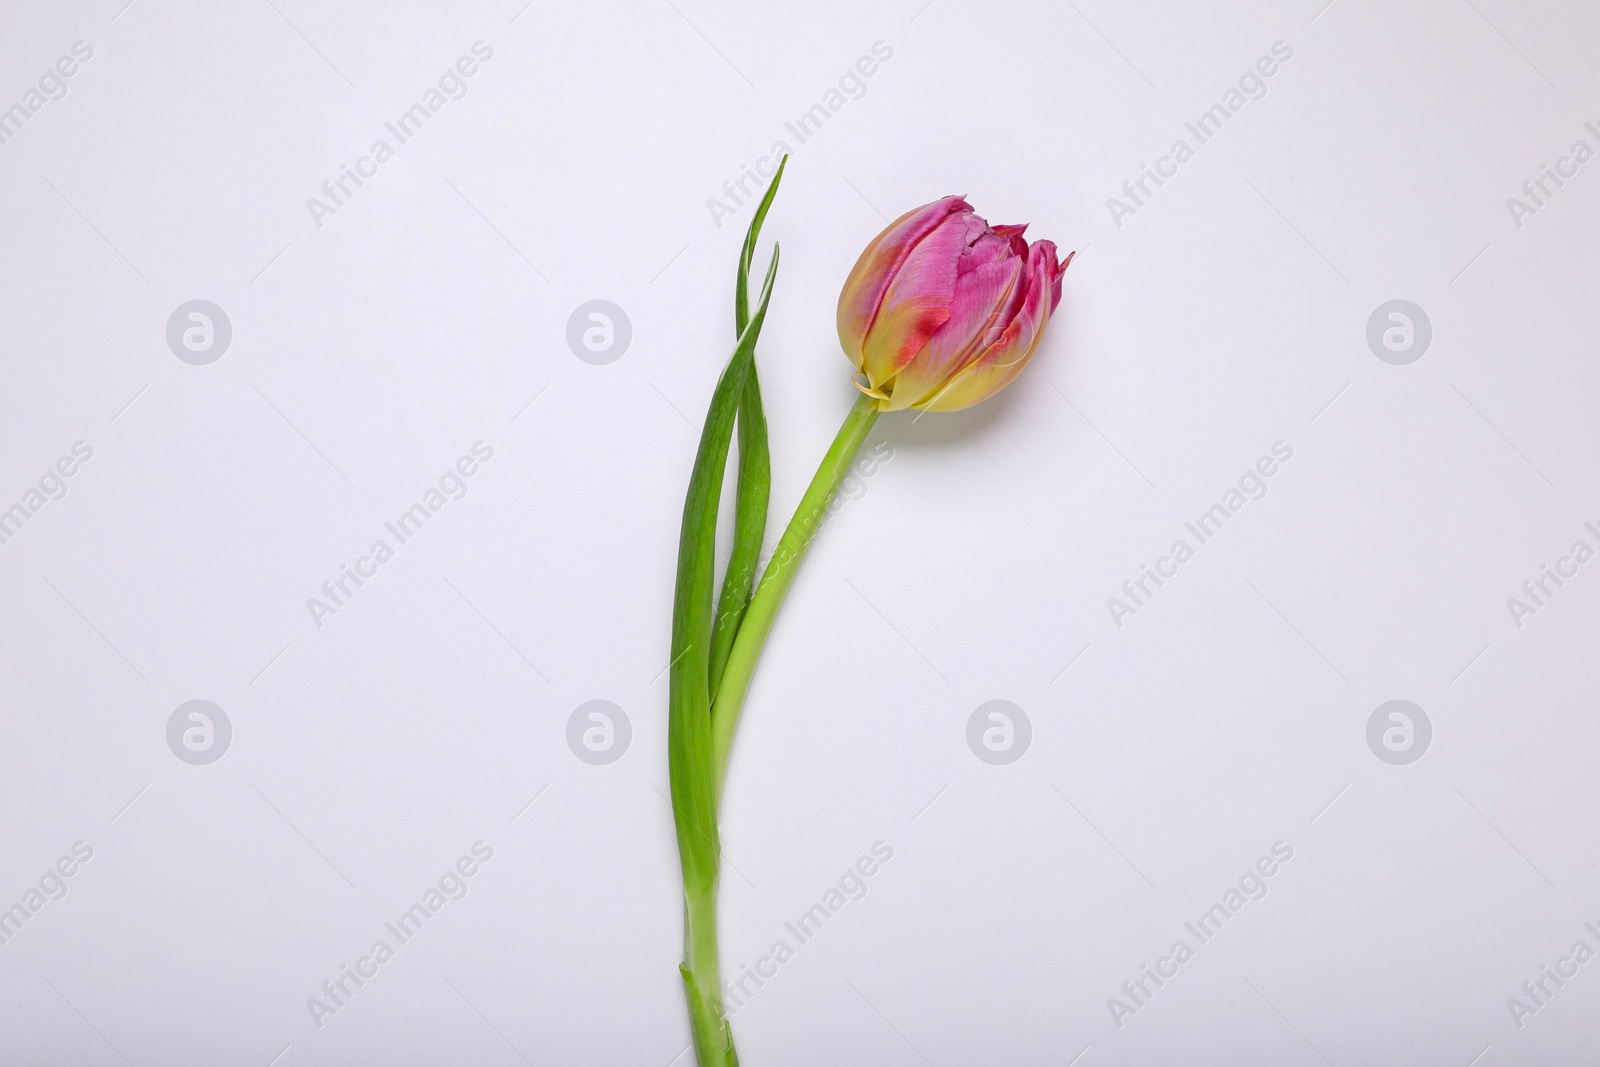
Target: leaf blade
(689,750)
(755,469)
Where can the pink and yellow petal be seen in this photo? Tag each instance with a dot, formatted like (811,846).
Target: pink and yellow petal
(975,322)
(1000,363)
(918,300)
(877,267)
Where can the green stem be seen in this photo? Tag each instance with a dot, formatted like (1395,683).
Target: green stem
(780,572)
(702,980)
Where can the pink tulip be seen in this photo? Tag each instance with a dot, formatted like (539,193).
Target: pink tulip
(943,310)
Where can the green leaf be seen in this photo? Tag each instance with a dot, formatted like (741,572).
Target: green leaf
(741,286)
(749,527)
(755,470)
(689,754)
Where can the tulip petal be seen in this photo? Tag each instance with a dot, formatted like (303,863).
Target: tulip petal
(985,300)
(1055,285)
(999,364)
(877,267)
(918,300)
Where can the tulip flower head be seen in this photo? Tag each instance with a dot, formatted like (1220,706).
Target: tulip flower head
(943,310)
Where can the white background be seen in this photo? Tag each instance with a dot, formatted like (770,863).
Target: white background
(371,351)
